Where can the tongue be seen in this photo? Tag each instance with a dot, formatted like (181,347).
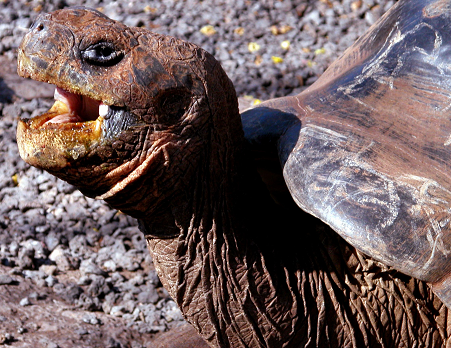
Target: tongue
(79,108)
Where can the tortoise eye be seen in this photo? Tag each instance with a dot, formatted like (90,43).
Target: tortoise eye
(102,54)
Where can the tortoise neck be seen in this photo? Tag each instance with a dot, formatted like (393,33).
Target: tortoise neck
(214,245)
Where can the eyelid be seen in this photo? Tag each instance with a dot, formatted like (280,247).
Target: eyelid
(92,54)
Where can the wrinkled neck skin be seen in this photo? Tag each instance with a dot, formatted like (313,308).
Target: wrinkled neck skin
(247,274)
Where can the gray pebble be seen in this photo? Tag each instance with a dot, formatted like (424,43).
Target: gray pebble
(81,331)
(148,297)
(25,258)
(89,267)
(117,311)
(52,345)
(6,279)
(71,293)
(51,281)
(110,265)
(51,241)
(90,318)
(25,302)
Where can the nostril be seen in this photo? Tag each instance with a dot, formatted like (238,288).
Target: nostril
(37,25)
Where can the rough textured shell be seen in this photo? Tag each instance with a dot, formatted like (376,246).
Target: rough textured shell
(367,148)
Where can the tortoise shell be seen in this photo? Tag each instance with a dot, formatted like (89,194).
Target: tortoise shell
(367,147)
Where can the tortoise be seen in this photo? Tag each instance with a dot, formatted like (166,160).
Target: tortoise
(150,124)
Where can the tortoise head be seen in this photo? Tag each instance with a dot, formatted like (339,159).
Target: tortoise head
(129,106)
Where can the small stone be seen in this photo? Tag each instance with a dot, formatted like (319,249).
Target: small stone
(34,275)
(110,265)
(89,267)
(72,293)
(171,312)
(81,331)
(108,303)
(12,110)
(98,286)
(50,281)
(6,279)
(133,316)
(14,248)
(89,303)
(26,257)
(84,280)
(78,244)
(51,241)
(117,311)
(148,297)
(58,252)
(48,269)
(40,283)
(35,296)
(91,319)
(25,302)
(59,288)
(239,31)
(59,256)
(52,345)
(355,5)
(129,306)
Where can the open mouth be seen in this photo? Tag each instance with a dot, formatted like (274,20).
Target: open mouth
(76,108)
(70,130)
(64,133)
(71,111)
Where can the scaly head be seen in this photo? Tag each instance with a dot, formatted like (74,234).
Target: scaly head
(134,111)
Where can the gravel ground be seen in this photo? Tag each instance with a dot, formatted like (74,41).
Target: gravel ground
(70,261)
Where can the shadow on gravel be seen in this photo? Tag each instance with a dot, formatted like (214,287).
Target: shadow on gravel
(6,93)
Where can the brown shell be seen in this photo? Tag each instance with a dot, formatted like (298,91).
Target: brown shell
(367,148)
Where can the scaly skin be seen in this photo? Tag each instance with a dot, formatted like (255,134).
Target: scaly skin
(244,272)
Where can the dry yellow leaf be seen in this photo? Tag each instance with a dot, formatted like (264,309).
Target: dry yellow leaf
(208,30)
(320,51)
(276,60)
(327,2)
(239,31)
(356,5)
(283,29)
(258,60)
(285,44)
(15,179)
(253,47)
(149,9)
